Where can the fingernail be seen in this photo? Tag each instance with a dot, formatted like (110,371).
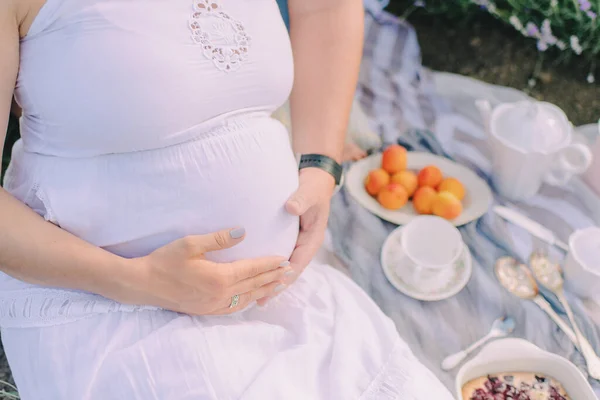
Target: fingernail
(264,302)
(279,288)
(284,264)
(261,304)
(295,203)
(289,273)
(237,233)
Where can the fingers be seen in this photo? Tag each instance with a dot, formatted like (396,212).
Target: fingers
(302,199)
(246,298)
(307,246)
(196,245)
(238,271)
(315,184)
(352,152)
(298,203)
(256,282)
(359,155)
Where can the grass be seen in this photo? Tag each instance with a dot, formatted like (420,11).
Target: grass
(12,394)
(485,48)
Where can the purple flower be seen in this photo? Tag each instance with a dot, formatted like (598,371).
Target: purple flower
(532,30)
(542,46)
(591,14)
(483,4)
(419,3)
(547,35)
(585,5)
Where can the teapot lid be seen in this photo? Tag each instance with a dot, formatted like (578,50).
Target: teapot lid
(533,126)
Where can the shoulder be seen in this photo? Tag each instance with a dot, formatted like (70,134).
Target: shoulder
(9,14)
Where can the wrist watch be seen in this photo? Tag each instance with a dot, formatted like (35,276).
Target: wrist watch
(325,163)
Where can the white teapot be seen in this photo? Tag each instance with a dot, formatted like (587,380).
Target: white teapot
(531,143)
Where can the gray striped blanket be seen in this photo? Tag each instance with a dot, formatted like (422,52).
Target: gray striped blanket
(401,100)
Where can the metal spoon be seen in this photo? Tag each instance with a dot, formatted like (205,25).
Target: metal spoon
(517,279)
(549,275)
(500,328)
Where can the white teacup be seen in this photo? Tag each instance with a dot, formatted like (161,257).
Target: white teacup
(432,247)
(582,264)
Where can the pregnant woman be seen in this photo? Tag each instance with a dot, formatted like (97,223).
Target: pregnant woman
(156,231)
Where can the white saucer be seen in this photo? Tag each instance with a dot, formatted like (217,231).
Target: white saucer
(476,202)
(392,253)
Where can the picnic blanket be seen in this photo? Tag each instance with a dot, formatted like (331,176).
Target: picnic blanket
(401,100)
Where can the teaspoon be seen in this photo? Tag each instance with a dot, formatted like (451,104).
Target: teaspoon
(500,328)
(550,276)
(517,279)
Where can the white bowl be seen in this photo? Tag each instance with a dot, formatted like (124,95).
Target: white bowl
(518,355)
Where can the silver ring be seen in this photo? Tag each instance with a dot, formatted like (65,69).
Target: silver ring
(234,301)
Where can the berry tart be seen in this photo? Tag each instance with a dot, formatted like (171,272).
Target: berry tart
(514,386)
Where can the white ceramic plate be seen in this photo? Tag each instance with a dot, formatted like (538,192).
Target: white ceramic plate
(391,256)
(518,355)
(476,202)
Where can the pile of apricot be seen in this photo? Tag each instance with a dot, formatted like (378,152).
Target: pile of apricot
(393,185)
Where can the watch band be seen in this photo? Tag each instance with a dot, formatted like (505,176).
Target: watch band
(323,162)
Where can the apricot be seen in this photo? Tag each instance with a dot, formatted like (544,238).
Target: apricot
(453,186)
(446,205)
(376,180)
(423,200)
(393,196)
(430,176)
(406,178)
(394,159)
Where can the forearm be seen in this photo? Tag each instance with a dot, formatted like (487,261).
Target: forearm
(327,38)
(32,249)
(38,252)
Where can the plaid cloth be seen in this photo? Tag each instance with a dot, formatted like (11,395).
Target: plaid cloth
(399,96)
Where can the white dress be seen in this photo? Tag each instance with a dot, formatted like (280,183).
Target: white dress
(145,121)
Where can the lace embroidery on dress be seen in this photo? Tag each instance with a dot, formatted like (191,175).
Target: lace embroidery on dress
(223,39)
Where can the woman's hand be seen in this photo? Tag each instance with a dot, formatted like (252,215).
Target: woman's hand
(311,202)
(178,276)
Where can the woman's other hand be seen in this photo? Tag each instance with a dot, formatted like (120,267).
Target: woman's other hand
(178,276)
(311,202)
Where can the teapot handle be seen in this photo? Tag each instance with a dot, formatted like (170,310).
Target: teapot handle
(567,168)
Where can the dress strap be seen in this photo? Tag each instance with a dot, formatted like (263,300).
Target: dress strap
(49,13)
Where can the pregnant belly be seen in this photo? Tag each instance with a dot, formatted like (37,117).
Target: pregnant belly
(131,204)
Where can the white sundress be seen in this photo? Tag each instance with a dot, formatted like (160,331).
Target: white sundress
(145,121)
